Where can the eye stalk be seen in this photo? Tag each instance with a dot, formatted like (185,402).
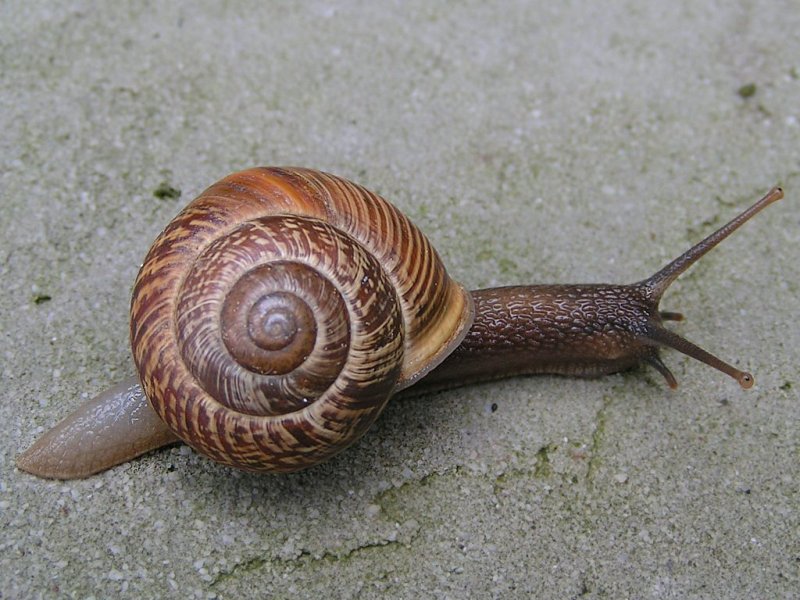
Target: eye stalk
(655,286)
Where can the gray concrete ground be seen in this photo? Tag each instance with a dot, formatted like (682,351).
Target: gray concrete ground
(533,141)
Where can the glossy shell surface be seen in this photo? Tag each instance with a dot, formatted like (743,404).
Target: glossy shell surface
(281,309)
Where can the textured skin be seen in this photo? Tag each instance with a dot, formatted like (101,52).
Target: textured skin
(403,316)
(579,330)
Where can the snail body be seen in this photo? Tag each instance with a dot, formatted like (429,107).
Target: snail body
(274,318)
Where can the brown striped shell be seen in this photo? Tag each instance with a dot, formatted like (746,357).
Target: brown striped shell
(281,309)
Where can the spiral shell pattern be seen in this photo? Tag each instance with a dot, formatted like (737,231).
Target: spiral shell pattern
(277,314)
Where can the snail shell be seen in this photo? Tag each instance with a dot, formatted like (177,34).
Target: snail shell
(277,314)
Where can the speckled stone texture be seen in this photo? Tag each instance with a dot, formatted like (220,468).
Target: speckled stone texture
(533,142)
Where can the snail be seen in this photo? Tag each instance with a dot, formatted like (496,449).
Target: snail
(274,318)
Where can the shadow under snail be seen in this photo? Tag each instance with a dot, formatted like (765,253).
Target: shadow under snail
(273,319)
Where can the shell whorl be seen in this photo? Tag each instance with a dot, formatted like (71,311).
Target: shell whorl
(276,315)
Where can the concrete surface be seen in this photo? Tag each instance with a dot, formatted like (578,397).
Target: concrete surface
(533,141)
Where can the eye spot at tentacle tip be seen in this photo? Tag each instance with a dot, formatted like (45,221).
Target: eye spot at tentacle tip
(746,380)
